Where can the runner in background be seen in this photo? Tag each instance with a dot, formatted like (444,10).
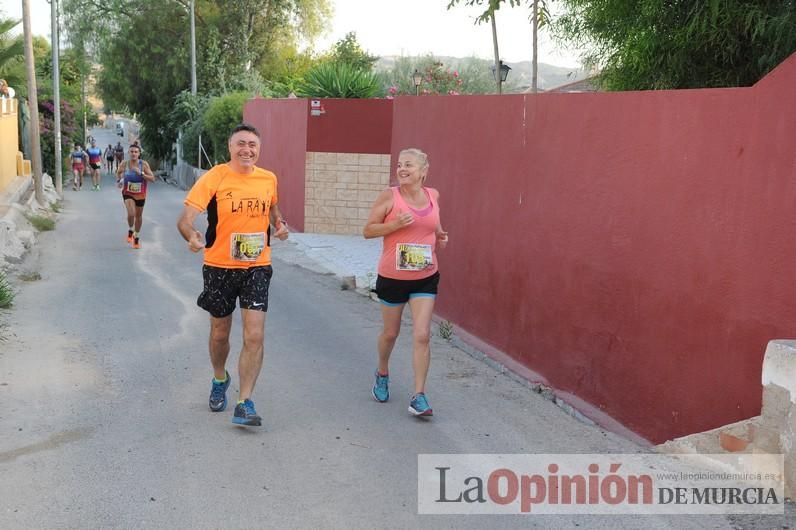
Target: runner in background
(95,163)
(132,177)
(109,159)
(118,153)
(407,217)
(78,159)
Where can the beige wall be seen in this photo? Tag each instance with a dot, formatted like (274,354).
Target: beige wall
(340,189)
(9,142)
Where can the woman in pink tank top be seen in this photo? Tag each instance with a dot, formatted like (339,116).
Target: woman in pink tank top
(407,217)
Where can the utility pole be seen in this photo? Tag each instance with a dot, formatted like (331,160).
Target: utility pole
(85,107)
(193,50)
(497,54)
(59,181)
(535,62)
(33,103)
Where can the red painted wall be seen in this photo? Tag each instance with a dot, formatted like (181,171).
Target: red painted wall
(635,249)
(351,126)
(283,129)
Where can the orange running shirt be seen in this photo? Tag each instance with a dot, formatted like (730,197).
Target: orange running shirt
(238,209)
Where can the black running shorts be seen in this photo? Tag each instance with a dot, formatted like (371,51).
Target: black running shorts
(397,292)
(96,166)
(223,286)
(138,202)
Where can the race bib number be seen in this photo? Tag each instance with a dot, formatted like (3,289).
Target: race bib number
(134,187)
(412,257)
(247,247)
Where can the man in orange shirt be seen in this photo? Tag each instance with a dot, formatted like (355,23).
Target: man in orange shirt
(241,204)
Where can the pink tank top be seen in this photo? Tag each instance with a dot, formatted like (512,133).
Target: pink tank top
(410,253)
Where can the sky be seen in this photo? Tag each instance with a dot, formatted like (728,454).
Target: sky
(401,27)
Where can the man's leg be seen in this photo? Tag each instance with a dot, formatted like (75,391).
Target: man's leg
(219,345)
(251,356)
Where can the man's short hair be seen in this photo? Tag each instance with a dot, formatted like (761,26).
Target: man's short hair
(245,127)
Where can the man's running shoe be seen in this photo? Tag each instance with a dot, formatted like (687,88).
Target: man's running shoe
(246,415)
(381,388)
(419,406)
(136,243)
(130,237)
(218,394)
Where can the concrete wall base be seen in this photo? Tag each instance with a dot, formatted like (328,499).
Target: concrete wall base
(773,432)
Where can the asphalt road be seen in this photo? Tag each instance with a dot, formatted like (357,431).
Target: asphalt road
(104,379)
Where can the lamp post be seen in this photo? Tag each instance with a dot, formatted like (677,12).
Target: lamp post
(504,73)
(417,79)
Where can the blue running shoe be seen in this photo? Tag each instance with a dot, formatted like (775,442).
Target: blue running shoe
(381,388)
(246,415)
(419,406)
(218,394)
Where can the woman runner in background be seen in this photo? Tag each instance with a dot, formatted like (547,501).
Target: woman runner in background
(132,177)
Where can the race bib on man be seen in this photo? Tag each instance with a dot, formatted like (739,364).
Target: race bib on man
(134,187)
(247,247)
(413,257)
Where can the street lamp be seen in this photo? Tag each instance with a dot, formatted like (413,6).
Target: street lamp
(417,79)
(504,72)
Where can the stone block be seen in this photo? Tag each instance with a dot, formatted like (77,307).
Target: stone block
(370,159)
(787,440)
(776,405)
(349,159)
(347,177)
(367,196)
(323,175)
(347,195)
(344,213)
(326,212)
(373,177)
(324,158)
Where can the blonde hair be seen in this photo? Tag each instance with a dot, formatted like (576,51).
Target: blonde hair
(421,157)
(417,153)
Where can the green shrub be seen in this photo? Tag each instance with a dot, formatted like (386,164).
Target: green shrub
(222,115)
(339,80)
(6,292)
(41,223)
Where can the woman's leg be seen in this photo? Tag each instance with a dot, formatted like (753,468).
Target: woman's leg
(129,205)
(391,316)
(139,218)
(422,307)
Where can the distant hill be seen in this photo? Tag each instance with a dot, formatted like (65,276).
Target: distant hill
(519,79)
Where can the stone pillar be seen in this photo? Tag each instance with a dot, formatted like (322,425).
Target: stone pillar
(777,429)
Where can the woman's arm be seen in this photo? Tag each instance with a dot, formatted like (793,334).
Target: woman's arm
(442,235)
(375,226)
(148,172)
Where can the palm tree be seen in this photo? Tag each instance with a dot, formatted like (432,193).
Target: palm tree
(12,53)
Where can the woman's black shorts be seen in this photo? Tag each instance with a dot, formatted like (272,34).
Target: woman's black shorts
(138,202)
(397,292)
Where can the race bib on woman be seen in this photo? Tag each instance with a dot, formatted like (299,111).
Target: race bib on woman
(247,247)
(134,187)
(413,257)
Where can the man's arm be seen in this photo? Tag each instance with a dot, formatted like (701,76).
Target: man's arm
(279,223)
(187,231)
